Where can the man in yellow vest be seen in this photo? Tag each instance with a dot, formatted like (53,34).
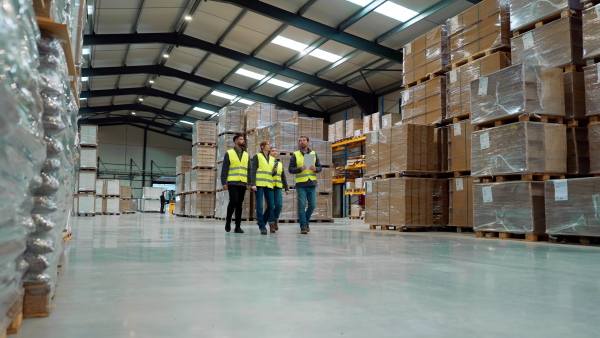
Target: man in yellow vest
(306,181)
(234,177)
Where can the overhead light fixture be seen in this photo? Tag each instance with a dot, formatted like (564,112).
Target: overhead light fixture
(300,47)
(186,122)
(132,113)
(151,81)
(390,9)
(321,54)
(188,18)
(166,56)
(244,101)
(248,73)
(140,99)
(85,79)
(223,95)
(202,110)
(86,51)
(280,83)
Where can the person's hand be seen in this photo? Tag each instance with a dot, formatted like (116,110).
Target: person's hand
(254,188)
(313,168)
(275,170)
(225,187)
(287,192)
(302,168)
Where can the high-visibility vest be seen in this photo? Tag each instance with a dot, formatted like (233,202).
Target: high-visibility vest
(264,173)
(306,175)
(238,169)
(277,182)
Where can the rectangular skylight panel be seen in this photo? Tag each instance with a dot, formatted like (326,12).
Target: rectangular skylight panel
(362,3)
(202,110)
(244,101)
(223,95)
(396,11)
(289,43)
(321,54)
(280,83)
(250,74)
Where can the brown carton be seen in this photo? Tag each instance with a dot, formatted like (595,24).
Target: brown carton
(572,207)
(475,14)
(390,119)
(524,13)
(371,197)
(461,201)
(283,135)
(591,27)
(574,95)
(578,151)
(372,154)
(310,127)
(125,192)
(204,132)
(203,180)
(204,156)
(459,145)
(441,149)
(594,139)
(429,102)
(202,204)
(592,89)
(440,202)
(426,55)
(354,127)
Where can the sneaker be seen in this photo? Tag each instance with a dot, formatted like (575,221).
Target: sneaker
(304,231)
(238,231)
(227,227)
(263,231)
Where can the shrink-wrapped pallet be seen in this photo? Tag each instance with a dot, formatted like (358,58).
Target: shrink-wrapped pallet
(87,181)
(202,204)
(573,207)
(183,164)
(425,103)
(110,205)
(152,193)
(324,180)
(578,151)
(224,143)
(150,205)
(389,120)
(231,120)
(283,136)
(525,13)
(459,146)
(113,188)
(353,128)
(204,156)
(592,89)
(203,180)
(310,127)
(100,187)
(574,95)
(323,208)
(461,201)
(180,184)
(289,210)
(88,158)
(340,130)
(204,132)
(323,150)
(591,27)
(594,142)
(88,135)
(425,55)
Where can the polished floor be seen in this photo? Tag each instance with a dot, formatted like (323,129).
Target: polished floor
(150,275)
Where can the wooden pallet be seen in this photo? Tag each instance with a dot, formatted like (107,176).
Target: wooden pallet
(462,173)
(355,217)
(89,192)
(408,174)
(211,144)
(383,227)
(151,212)
(199,193)
(88,169)
(295,220)
(594,119)
(192,216)
(461,229)
(127,212)
(512,236)
(577,123)
(204,168)
(575,239)
(230,133)
(478,56)
(551,18)
(112,196)
(522,177)
(522,118)
(86,214)
(590,3)
(15,315)
(423,79)
(36,302)
(112,213)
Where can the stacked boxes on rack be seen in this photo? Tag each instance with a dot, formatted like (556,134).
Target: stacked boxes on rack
(198,183)
(426,55)
(88,166)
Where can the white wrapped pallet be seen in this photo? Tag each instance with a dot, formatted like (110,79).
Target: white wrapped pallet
(88,135)
(100,188)
(86,204)
(111,205)
(150,205)
(98,205)
(113,188)
(152,193)
(88,158)
(87,181)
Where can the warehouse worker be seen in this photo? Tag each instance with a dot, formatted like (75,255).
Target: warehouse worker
(234,177)
(279,185)
(306,181)
(262,172)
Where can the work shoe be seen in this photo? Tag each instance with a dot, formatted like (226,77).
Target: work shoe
(308,228)
(272,228)
(277,225)
(238,231)
(304,231)
(227,227)
(263,231)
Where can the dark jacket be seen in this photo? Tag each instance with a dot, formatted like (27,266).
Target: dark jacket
(225,170)
(294,169)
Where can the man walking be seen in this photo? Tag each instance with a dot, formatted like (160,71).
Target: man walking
(163,201)
(234,177)
(305,165)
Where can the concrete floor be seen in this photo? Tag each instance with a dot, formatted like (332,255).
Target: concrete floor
(150,275)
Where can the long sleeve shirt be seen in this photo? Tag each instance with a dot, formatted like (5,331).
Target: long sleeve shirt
(294,169)
(225,169)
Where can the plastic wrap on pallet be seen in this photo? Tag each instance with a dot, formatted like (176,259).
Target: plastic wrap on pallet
(459,146)
(88,135)
(366,124)
(187,181)
(283,136)
(574,95)
(405,147)
(259,115)
(475,14)
(100,186)
(110,205)
(219,186)
(591,27)
(310,127)
(331,135)
(340,130)
(441,202)
(180,184)
(440,158)
(592,89)
(323,150)
(113,187)
(573,207)
(578,151)
(519,148)
(555,44)
(88,158)
(517,90)
(182,164)
(203,180)
(324,182)
(152,193)
(180,204)
(425,103)
(125,191)
(150,205)
(389,120)
(354,127)
(513,207)
(289,209)
(594,143)
(86,204)
(204,132)
(426,55)
(188,206)
(224,143)
(375,122)
(98,205)
(371,199)
(461,201)
(524,13)
(204,156)
(324,208)
(202,204)
(231,120)
(459,79)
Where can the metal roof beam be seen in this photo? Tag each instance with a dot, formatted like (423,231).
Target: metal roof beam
(134,119)
(135,107)
(361,13)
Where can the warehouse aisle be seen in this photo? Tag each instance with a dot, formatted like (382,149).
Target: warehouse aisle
(150,275)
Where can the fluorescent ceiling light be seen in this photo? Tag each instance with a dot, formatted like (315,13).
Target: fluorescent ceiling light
(289,43)
(151,81)
(188,18)
(85,79)
(86,51)
(390,9)
(244,101)
(166,56)
(321,54)
(280,83)
(202,110)
(132,113)
(248,73)
(186,122)
(140,99)
(223,95)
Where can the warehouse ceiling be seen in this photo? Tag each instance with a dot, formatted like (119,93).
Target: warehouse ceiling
(161,65)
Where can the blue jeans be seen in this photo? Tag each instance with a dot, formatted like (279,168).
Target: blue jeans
(278,198)
(304,213)
(263,217)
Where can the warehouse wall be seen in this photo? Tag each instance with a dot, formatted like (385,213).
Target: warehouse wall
(120,144)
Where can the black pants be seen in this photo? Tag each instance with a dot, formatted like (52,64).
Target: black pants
(162,207)
(236,199)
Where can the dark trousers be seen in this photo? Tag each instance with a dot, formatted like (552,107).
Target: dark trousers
(236,200)
(162,207)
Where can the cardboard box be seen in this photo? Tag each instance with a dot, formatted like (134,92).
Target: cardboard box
(324,180)
(519,148)
(99,206)
(366,124)
(578,151)
(224,143)
(356,210)
(461,201)
(180,184)
(88,158)
(475,14)
(591,27)
(458,81)
(100,187)
(323,150)
(112,188)
(180,205)
(310,127)
(592,89)
(86,181)
(426,101)
(371,201)
(331,133)
(125,191)
(426,55)
(340,130)
(459,146)
(152,193)
(324,208)
(572,207)
(574,95)
(183,164)
(513,207)
(110,205)
(352,126)
(489,33)
(204,132)
(86,203)
(231,120)
(515,91)
(358,183)
(203,180)
(594,139)
(441,202)
(202,204)
(375,121)
(390,119)
(555,44)
(88,135)
(204,156)
(441,149)
(284,136)
(150,205)
(125,205)
(525,13)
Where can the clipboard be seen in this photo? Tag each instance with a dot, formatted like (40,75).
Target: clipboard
(309,160)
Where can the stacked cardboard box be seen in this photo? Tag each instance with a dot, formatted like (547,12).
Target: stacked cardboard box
(310,127)
(525,13)
(88,135)
(99,205)
(100,187)
(187,182)
(340,130)
(204,132)
(578,151)
(324,180)
(180,184)
(202,204)
(440,202)
(290,206)
(353,128)
(110,205)
(204,156)
(440,139)
(324,207)
(224,143)
(459,146)
(592,89)
(428,54)
(594,139)
(125,192)
(125,205)
(461,201)
(151,199)
(517,90)
(390,120)
(112,188)
(480,28)
(183,164)
(591,27)
(261,115)
(88,158)
(87,181)
(323,150)
(574,95)
(231,120)
(203,180)
(425,103)
(572,207)
(180,205)
(283,135)
(331,133)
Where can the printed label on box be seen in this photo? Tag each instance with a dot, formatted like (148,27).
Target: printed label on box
(483,86)
(453,76)
(528,40)
(369,186)
(561,190)
(487,194)
(409,48)
(457,129)
(484,139)
(459,184)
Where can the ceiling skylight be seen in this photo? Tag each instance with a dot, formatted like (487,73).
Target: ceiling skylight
(223,95)
(202,110)
(244,101)
(300,47)
(321,54)
(258,76)
(390,9)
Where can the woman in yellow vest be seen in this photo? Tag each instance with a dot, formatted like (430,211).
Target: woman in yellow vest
(262,171)
(279,185)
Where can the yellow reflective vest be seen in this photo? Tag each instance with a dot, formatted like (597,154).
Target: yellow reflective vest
(238,169)
(264,173)
(277,182)
(306,175)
